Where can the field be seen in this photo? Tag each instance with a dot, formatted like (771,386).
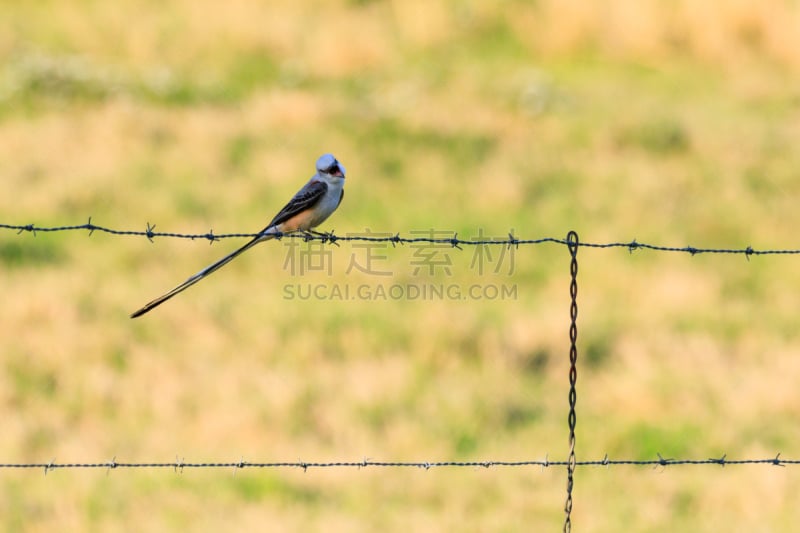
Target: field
(673,123)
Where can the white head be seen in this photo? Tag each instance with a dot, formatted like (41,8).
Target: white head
(328,165)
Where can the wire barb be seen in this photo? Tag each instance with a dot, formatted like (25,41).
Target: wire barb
(330,238)
(91,227)
(149,232)
(720,461)
(512,241)
(112,464)
(777,461)
(27,227)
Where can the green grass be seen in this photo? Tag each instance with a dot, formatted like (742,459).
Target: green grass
(20,254)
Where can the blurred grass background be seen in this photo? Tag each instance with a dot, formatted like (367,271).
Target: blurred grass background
(672,122)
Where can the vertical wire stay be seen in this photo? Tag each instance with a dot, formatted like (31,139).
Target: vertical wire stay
(572,244)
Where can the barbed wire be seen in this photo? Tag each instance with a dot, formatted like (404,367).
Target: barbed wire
(180,464)
(455,241)
(571,241)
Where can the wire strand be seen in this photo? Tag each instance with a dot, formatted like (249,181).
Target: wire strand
(455,241)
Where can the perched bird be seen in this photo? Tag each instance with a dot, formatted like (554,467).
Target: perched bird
(309,208)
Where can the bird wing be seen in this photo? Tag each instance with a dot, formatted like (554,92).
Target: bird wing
(304,199)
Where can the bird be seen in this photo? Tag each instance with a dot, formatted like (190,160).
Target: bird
(307,209)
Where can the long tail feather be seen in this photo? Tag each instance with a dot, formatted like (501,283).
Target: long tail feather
(210,269)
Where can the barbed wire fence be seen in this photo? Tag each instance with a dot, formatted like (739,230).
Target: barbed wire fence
(572,243)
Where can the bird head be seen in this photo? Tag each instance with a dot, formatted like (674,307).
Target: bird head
(327,164)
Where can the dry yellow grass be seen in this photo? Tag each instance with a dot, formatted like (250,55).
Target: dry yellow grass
(668,122)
